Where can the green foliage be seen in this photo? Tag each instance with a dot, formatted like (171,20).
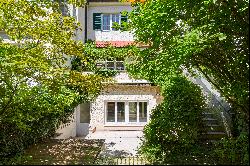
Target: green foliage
(175,126)
(38,90)
(211,36)
(35,113)
(233,150)
(95,54)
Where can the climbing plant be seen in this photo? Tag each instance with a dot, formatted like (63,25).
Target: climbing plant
(97,54)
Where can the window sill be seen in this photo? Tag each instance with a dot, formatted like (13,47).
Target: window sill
(125,125)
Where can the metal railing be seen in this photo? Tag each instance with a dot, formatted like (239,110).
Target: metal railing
(133,160)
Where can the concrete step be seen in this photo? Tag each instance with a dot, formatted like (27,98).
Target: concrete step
(208,142)
(208,115)
(214,127)
(208,121)
(213,135)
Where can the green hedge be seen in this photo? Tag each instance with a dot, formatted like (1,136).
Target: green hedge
(176,124)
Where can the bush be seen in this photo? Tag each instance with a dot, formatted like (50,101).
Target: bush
(233,150)
(176,124)
(36,118)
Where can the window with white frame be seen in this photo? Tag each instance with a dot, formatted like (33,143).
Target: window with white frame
(117,64)
(105,21)
(108,21)
(126,112)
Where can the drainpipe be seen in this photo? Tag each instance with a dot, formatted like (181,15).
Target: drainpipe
(86,18)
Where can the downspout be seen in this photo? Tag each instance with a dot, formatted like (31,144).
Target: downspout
(86,23)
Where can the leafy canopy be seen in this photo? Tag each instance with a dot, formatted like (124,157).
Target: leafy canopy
(211,36)
(38,89)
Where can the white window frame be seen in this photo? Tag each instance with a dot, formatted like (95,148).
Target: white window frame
(127,123)
(110,21)
(115,64)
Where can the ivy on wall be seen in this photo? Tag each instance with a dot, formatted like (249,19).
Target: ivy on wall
(96,54)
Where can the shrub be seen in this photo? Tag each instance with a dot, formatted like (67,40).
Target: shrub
(175,126)
(37,118)
(233,150)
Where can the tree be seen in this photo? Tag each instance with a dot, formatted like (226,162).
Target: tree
(211,36)
(37,88)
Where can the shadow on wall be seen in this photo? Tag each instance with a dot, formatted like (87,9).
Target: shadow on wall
(67,130)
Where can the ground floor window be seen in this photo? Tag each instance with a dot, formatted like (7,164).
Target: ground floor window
(126,111)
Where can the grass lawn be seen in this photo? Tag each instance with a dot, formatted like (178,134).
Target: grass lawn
(62,152)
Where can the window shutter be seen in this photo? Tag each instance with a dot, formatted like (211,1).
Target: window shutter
(124,19)
(97,21)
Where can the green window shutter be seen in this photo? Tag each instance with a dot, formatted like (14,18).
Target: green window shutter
(124,19)
(97,21)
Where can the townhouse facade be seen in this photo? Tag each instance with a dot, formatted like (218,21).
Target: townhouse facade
(127,104)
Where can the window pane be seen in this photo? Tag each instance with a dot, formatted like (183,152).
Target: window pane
(106,22)
(132,111)
(111,112)
(100,64)
(119,66)
(111,65)
(115,18)
(120,112)
(142,111)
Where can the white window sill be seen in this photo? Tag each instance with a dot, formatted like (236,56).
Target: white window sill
(125,125)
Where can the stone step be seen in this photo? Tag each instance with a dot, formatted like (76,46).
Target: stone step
(214,127)
(208,121)
(208,142)
(213,135)
(208,115)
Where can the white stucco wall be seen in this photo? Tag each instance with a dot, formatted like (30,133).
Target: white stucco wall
(123,77)
(121,93)
(80,12)
(67,130)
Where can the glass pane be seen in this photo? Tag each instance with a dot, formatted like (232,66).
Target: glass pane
(111,112)
(110,65)
(115,18)
(106,22)
(106,28)
(120,112)
(132,111)
(119,59)
(142,111)
(100,64)
(119,66)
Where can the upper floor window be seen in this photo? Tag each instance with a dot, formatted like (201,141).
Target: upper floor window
(117,64)
(108,21)
(105,21)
